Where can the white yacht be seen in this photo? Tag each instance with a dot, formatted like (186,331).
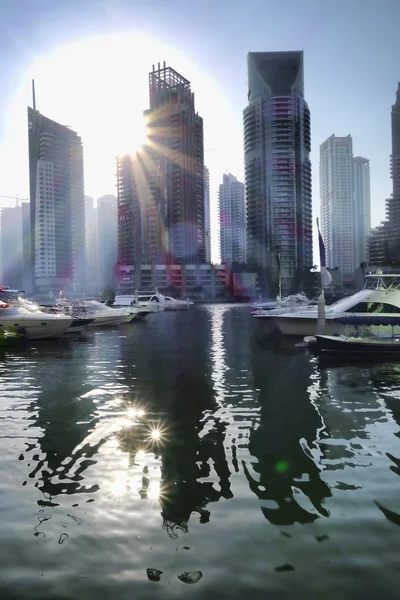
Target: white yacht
(101,314)
(298,299)
(131,303)
(162,302)
(294,303)
(34,324)
(381,294)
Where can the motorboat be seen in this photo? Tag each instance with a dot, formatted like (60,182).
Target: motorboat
(102,315)
(298,300)
(33,324)
(294,303)
(381,294)
(370,343)
(131,302)
(161,302)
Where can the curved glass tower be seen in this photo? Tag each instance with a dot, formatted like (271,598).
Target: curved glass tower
(277,145)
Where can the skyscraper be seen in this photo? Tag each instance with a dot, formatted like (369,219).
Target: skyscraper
(232,220)
(57,204)
(207,216)
(161,187)
(277,145)
(362,205)
(26,245)
(107,231)
(393,204)
(383,244)
(12,247)
(91,246)
(337,203)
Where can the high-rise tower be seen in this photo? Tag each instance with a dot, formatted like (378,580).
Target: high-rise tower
(232,217)
(337,203)
(277,145)
(56,204)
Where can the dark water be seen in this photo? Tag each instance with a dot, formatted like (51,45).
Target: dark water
(188,456)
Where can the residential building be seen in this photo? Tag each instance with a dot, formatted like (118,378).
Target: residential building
(377,245)
(232,220)
(196,281)
(107,231)
(362,206)
(383,244)
(12,247)
(393,204)
(26,246)
(277,145)
(161,187)
(337,203)
(207,214)
(57,205)
(91,245)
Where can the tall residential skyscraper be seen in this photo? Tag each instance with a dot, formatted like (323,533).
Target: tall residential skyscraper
(277,145)
(337,203)
(393,204)
(57,204)
(362,205)
(26,245)
(107,228)
(161,187)
(207,215)
(91,245)
(383,244)
(12,247)
(232,220)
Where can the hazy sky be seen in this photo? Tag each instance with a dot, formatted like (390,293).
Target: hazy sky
(90,60)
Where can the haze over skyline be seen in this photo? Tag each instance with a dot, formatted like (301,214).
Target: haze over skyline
(91,59)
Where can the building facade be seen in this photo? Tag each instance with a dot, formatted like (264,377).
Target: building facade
(107,232)
(277,145)
(91,245)
(198,282)
(362,206)
(393,203)
(161,216)
(12,247)
(56,205)
(337,203)
(207,214)
(232,220)
(383,244)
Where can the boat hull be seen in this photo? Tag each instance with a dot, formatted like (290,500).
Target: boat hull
(176,305)
(345,346)
(302,326)
(78,325)
(108,321)
(37,329)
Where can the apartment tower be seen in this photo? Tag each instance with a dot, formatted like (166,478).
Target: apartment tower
(277,145)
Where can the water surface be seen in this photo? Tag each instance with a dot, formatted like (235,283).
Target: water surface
(191,455)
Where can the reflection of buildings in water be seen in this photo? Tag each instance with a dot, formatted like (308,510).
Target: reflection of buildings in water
(64,418)
(350,409)
(385,379)
(171,374)
(286,476)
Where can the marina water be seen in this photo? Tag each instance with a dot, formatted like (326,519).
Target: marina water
(193,456)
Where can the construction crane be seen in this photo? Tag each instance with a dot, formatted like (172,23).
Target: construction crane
(17,198)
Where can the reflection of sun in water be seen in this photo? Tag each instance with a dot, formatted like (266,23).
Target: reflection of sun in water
(154,491)
(118,488)
(155,435)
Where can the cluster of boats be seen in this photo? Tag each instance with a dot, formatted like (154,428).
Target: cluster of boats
(367,322)
(24,318)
